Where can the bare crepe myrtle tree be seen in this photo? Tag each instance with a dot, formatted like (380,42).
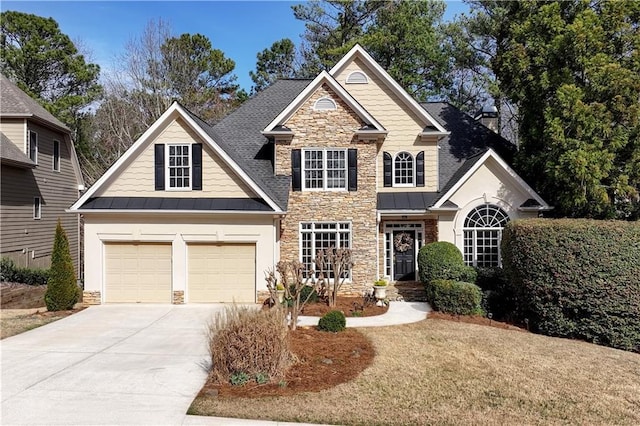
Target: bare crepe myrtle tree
(292,274)
(339,262)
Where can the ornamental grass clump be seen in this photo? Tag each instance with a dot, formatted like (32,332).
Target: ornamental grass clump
(244,340)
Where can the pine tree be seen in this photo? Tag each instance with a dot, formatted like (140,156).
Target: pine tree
(62,290)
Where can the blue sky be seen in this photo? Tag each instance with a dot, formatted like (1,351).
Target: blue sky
(240,29)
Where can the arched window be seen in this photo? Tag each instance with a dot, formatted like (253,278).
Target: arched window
(325,104)
(482,235)
(357,77)
(403,169)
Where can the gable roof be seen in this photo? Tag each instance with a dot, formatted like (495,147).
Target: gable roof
(200,128)
(432,126)
(11,154)
(325,78)
(16,103)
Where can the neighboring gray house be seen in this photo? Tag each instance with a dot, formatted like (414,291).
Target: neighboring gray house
(40,178)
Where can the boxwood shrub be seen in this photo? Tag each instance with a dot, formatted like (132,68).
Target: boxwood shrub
(9,272)
(577,278)
(454,297)
(333,321)
(443,260)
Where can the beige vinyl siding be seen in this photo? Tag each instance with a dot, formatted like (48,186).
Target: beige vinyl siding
(57,191)
(137,180)
(402,124)
(221,273)
(13,128)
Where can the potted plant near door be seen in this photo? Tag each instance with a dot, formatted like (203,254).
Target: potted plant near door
(380,289)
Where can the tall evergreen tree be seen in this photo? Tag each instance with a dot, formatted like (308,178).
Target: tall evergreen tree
(571,67)
(62,291)
(276,62)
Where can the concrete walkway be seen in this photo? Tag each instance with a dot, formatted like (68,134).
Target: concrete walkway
(124,364)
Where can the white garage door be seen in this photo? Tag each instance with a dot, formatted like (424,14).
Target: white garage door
(138,273)
(221,273)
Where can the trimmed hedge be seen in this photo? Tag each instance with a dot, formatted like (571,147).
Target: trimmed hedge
(443,260)
(9,272)
(577,278)
(498,297)
(333,321)
(454,297)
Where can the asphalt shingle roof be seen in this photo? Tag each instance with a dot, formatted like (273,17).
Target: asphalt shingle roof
(9,153)
(238,134)
(17,103)
(172,203)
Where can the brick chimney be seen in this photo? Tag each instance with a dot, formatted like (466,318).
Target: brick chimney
(488,116)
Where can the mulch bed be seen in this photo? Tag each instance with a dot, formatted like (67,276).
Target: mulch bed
(348,305)
(324,360)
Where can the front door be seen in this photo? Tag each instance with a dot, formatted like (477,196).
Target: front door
(404,266)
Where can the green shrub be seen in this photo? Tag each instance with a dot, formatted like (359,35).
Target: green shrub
(9,272)
(443,261)
(246,340)
(498,297)
(454,297)
(62,291)
(577,278)
(333,321)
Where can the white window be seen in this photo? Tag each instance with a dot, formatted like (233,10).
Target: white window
(179,167)
(482,235)
(315,236)
(37,208)
(33,146)
(403,170)
(325,104)
(56,156)
(357,77)
(325,169)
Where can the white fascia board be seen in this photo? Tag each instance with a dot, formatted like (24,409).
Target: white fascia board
(490,153)
(535,209)
(74,161)
(142,141)
(323,77)
(402,212)
(175,212)
(357,50)
(444,209)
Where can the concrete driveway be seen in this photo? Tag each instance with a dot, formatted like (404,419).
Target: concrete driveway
(110,364)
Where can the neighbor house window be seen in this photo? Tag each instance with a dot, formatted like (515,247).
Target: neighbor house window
(56,156)
(37,208)
(315,236)
(179,169)
(325,169)
(33,146)
(482,235)
(403,169)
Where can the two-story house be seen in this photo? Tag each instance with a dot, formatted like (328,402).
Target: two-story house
(40,178)
(197,213)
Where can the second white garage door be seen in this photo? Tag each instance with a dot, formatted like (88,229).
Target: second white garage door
(138,273)
(221,273)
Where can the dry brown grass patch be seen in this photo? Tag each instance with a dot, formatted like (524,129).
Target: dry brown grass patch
(16,321)
(444,372)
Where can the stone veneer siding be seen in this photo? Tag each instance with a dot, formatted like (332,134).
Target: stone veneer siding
(91,298)
(178,297)
(332,129)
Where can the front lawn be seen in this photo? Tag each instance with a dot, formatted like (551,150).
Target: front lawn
(446,372)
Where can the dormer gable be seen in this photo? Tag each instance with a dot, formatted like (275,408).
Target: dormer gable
(175,159)
(371,127)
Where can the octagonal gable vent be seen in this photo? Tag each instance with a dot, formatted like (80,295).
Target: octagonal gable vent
(357,77)
(325,104)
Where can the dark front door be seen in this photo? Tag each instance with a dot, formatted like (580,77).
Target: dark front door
(404,266)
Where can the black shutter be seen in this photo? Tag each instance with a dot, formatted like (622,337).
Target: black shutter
(159,166)
(420,169)
(388,178)
(353,169)
(296,169)
(196,163)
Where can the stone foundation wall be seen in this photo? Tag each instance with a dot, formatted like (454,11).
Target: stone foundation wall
(178,297)
(91,298)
